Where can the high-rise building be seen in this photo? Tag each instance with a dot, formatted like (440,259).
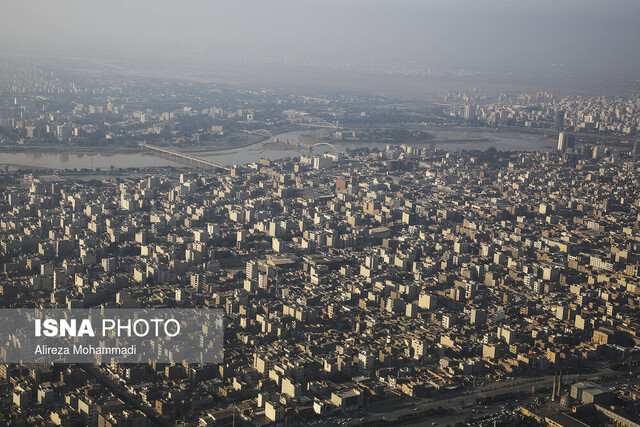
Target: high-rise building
(558,120)
(109,265)
(469,112)
(63,132)
(427,301)
(478,316)
(565,142)
(597,152)
(252,270)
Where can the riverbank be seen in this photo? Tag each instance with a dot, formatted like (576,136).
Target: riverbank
(106,150)
(71,149)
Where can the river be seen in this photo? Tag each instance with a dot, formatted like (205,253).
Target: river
(448,140)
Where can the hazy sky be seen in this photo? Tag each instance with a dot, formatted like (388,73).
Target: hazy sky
(600,38)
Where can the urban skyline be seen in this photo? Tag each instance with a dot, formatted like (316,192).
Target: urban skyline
(356,213)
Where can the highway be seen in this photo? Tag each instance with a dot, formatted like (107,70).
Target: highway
(462,404)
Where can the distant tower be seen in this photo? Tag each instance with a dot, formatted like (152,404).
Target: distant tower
(558,120)
(469,112)
(557,386)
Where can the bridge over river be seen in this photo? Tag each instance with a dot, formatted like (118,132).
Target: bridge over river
(186,158)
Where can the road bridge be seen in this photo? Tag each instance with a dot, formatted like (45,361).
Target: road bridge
(186,158)
(298,144)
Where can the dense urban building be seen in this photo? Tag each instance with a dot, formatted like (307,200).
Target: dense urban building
(365,279)
(377,261)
